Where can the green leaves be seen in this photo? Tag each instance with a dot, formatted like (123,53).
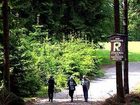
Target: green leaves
(60,59)
(62,18)
(134,19)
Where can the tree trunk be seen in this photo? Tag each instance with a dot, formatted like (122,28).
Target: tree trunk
(6,74)
(119,82)
(125,30)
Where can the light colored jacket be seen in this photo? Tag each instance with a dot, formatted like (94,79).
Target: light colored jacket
(85,82)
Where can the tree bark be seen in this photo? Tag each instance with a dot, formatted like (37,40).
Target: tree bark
(6,74)
(125,29)
(119,82)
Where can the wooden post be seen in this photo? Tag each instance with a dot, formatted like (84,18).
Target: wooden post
(6,74)
(119,82)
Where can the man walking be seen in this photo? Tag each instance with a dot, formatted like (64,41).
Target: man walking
(51,84)
(85,84)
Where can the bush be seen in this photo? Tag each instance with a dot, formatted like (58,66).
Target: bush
(62,59)
(34,59)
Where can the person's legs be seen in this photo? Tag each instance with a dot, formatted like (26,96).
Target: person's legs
(85,91)
(72,96)
(49,95)
(86,95)
(71,92)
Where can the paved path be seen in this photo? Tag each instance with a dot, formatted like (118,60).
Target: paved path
(100,88)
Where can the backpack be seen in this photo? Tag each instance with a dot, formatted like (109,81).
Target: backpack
(71,85)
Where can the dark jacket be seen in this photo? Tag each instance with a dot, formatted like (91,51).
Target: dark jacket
(51,84)
(71,84)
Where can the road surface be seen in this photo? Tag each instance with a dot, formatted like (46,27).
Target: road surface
(100,89)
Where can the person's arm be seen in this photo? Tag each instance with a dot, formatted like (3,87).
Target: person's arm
(47,82)
(88,84)
(74,83)
(54,82)
(82,82)
(68,83)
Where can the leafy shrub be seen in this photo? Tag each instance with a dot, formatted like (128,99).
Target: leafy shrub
(23,80)
(35,58)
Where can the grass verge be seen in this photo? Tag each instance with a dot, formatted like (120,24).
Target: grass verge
(104,54)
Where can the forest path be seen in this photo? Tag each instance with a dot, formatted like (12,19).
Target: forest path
(100,89)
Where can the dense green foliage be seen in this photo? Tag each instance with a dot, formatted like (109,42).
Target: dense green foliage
(36,53)
(34,57)
(55,37)
(21,69)
(134,19)
(61,59)
(80,18)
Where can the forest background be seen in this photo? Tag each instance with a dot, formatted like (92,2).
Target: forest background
(60,38)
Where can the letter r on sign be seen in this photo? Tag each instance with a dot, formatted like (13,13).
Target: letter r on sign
(117,46)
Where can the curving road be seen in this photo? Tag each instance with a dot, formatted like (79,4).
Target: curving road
(101,88)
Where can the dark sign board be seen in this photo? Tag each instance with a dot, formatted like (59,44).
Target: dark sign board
(117,52)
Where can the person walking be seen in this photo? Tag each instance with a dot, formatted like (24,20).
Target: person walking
(85,84)
(71,84)
(51,84)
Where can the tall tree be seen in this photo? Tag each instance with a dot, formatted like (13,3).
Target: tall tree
(125,31)
(6,72)
(65,17)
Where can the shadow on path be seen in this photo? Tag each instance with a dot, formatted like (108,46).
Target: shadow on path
(67,102)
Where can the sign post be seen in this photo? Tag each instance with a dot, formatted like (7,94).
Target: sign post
(119,83)
(117,47)
(117,54)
